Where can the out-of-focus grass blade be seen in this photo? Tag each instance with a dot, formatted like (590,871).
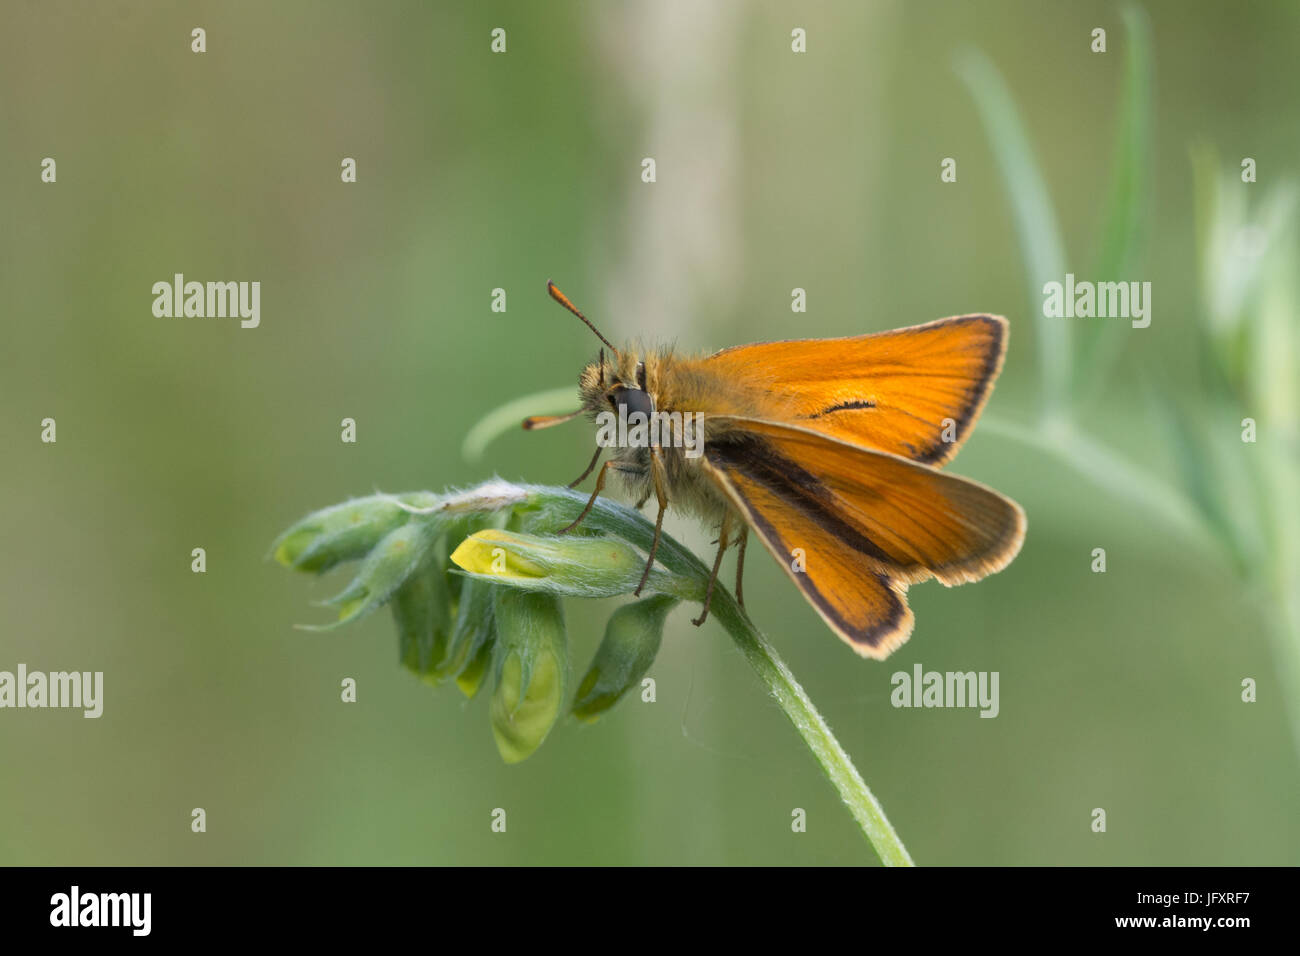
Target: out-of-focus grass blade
(1206,186)
(1040,236)
(1202,481)
(1245,260)
(1250,299)
(509,417)
(1124,230)
(1274,385)
(1220,212)
(1274,379)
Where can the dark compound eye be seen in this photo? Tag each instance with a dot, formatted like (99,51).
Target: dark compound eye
(630,400)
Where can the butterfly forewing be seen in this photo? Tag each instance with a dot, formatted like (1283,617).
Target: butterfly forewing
(913,392)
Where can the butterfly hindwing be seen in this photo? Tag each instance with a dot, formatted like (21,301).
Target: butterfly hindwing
(909,520)
(864,606)
(868,523)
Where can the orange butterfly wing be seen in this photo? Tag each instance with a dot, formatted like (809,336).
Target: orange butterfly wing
(869,523)
(914,392)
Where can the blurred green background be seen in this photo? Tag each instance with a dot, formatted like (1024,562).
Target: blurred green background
(476,171)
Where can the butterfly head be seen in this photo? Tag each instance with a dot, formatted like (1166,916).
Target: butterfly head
(617,386)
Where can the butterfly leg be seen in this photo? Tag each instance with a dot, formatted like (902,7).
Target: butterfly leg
(724,535)
(583,477)
(661,494)
(740,565)
(591,502)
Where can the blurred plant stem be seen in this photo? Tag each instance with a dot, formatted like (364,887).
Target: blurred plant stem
(1236,491)
(1285,623)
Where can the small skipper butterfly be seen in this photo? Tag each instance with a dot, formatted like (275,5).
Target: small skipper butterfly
(829,449)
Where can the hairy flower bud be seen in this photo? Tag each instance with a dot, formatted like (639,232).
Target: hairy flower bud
(422,613)
(344,532)
(632,638)
(472,633)
(531,670)
(386,569)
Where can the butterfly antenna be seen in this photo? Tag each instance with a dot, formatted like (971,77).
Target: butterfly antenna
(563,299)
(534,422)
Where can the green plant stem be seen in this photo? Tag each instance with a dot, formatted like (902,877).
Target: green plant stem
(815,732)
(615,519)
